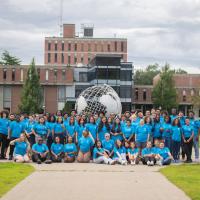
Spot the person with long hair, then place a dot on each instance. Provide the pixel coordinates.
(133, 154)
(85, 144)
(176, 139)
(59, 130)
(50, 123)
(100, 155)
(29, 130)
(71, 128)
(108, 144)
(103, 128)
(21, 149)
(92, 127)
(4, 124)
(157, 131)
(57, 150)
(70, 151)
(128, 131)
(119, 153)
(80, 127)
(116, 131)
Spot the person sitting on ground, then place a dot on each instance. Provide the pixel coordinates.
(41, 152)
(70, 151)
(85, 144)
(148, 156)
(119, 153)
(57, 150)
(133, 154)
(100, 155)
(164, 155)
(21, 149)
(108, 144)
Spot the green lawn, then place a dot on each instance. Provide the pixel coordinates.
(11, 174)
(186, 177)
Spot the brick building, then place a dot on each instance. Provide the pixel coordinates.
(187, 86)
(51, 78)
(74, 50)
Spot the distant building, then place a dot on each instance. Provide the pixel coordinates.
(72, 49)
(187, 86)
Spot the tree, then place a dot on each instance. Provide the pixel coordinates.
(68, 107)
(145, 77)
(164, 92)
(7, 59)
(31, 99)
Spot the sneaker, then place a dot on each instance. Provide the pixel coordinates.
(48, 162)
(159, 162)
(148, 163)
(132, 162)
(123, 162)
(196, 160)
(112, 162)
(10, 158)
(152, 163)
(39, 162)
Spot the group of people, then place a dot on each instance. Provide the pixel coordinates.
(154, 138)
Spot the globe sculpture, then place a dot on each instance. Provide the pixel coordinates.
(99, 98)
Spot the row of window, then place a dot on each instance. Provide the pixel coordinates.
(13, 75)
(54, 58)
(87, 47)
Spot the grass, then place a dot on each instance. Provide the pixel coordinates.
(11, 174)
(186, 177)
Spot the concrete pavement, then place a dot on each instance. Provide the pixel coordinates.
(95, 182)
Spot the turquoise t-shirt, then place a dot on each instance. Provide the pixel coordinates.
(70, 147)
(20, 148)
(40, 148)
(57, 148)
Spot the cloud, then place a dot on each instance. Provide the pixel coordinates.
(157, 31)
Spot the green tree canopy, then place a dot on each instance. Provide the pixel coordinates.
(145, 76)
(7, 59)
(164, 92)
(31, 99)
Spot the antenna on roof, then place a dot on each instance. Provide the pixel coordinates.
(61, 18)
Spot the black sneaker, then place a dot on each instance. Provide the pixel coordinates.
(39, 162)
(48, 162)
(10, 158)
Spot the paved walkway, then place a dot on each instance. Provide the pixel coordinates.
(95, 182)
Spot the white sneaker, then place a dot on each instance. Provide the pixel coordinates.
(112, 162)
(132, 163)
(148, 163)
(159, 162)
(152, 163)
(197, 160)
(124, 162)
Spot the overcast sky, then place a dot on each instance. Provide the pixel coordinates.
(158, 31)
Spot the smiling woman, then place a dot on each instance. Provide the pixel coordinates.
(11, 174)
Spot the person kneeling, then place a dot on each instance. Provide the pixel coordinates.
(100, 155)
(57, 150)
(133, 154)
(21, 149)
(85, 144)
(119, 153)
(70, 151)
(164, 155)
(41, 152)
(148, 156)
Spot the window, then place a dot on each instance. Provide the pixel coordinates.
(102, 73)
(63, 74)
(113, 74)
(4, 74)
(126, 75)
(125, 91)
(82, 59)
(62, 58)
(102, 47)
(55, 57)
(115, 46)
(6, 97)
(184, 95)
(56, 46)
(38, 71)
(47, 75)
(144, 94)
(49, 46)
(75, 59)
(89, 47)
(55, 74)
(61, 93)
(75, 47)
(83, 77)
(95, 47)
(108, 47)
(13, 74)
(89, 59)
(69, 59)
(82, 47)
(63, 46)
(122, 46)
(69, 46)
(21, 74)
(136, 93)
(49, 57)
(192, 92)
